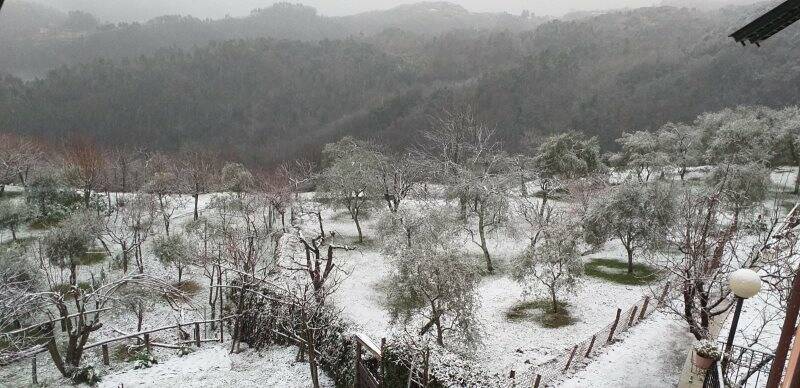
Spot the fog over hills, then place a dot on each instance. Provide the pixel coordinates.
(121, 10)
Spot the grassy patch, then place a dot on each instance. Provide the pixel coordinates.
(616, 271)
(189, 287)
(541, 311)
(90, 258)
(42, 224)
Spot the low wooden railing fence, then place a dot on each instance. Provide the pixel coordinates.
(142, 336)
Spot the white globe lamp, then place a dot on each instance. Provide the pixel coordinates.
(745, 283)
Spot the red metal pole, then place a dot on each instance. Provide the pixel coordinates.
(789, 327)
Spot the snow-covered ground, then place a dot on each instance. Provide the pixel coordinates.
(649, 355)
(215, 367)
(653, 349)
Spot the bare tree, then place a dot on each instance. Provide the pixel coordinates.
(18, 156)
(199, 173)
(85, 166)
(164, 184)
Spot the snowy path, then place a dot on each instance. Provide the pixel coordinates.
(649, 356)
(214, 367)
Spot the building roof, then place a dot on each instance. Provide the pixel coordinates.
(769, 23)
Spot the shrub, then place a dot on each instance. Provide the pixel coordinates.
(143, 360)
(85, 375)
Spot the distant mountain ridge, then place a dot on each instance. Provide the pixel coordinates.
(279, 21)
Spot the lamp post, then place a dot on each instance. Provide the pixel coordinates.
(745, 283)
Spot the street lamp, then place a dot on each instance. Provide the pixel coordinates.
(745, 283)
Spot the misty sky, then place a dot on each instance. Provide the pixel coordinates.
(126, 10)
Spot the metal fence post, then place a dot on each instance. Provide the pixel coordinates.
(34, 378)
(104, 349)
(633, 315)
(644, 307)
(571, 356)
(591, 345)
(614, 326)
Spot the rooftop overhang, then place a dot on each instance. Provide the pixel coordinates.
(769, 24)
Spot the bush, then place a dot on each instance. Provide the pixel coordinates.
(143, 360)
(85, 375)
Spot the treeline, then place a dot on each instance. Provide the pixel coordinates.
(78, 37)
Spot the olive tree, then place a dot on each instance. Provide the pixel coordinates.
(174, 250)
(350, 178)
(13, 215)
(635, 214)
(554, 265)
(431, 284)
(564, 157)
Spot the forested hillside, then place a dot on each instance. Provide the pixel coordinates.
(60, 43)
(266, 100)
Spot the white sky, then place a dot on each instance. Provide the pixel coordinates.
(128, 10)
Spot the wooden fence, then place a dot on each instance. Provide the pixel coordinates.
(143, 338)
(582, 352)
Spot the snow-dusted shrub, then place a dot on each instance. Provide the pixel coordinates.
(445, 367)
(143, 360)
(185, 351)
(85, 375)
(269, 322)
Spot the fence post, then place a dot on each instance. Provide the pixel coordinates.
(425, 374)
(383, 362)
(34, 378)
(104, 348)
(571, 356)
(591, 345)
(357, 362)
(663, 297)
(614, 326)
(537, 381)
(633, 315)
(147, 342)
(644, 307)
(197, 334)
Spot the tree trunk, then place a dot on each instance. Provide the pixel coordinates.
(196, 200)
(56, 356)
(629, 250)
(544, 203)
(13, 234)
(319, 220)
(797, 181)
(358, 227)
(439, 332)
(554, 300)
(87, 197)
(180, 274)
(484, 244)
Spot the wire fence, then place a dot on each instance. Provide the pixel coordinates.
(581, 353)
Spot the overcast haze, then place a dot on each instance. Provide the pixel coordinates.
(120, 10)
